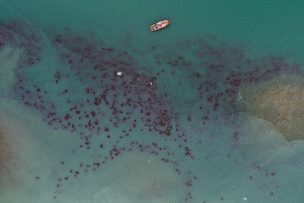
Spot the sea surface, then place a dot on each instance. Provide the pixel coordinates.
(94, 108)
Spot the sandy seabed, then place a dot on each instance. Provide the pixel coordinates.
(279, 101)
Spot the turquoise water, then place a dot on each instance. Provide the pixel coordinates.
(170, 128)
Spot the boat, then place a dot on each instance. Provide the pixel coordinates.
(160, 25)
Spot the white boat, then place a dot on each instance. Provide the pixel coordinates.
(160, 25)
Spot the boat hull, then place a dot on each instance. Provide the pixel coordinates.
(159, 25)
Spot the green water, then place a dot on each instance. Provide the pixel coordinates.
(259, 28)
(266, 26)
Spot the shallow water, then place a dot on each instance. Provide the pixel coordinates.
(172, 127)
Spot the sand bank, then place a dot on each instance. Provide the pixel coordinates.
(280, 101)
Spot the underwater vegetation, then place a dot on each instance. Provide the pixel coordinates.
(120, 110)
